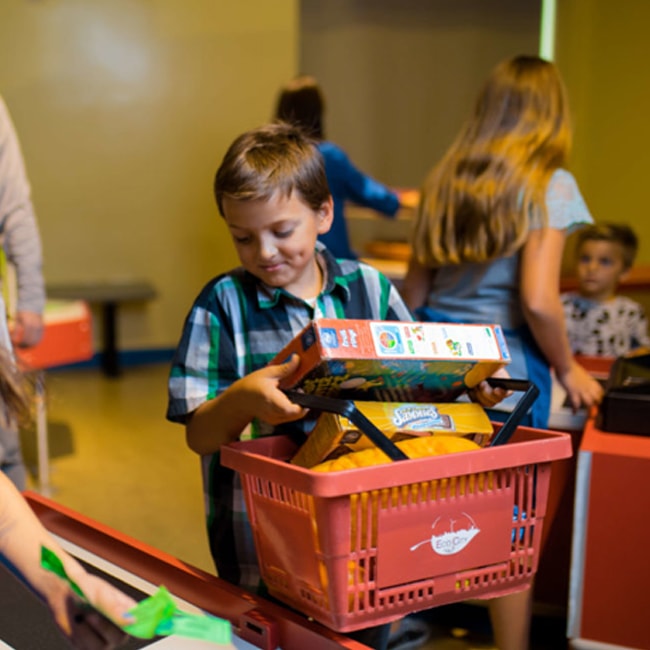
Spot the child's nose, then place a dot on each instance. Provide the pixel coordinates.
(267, 248)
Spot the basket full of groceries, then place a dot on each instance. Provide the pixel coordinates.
(405, 495)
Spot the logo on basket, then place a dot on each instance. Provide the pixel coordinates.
(451, 534)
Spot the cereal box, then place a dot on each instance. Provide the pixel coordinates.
(394, 361)
(335, 435)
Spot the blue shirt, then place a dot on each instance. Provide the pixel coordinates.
(347, 183)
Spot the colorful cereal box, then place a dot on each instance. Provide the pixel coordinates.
(394, 361)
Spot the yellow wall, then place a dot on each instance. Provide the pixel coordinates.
(124, 110)
(401, 77)
(603, 50)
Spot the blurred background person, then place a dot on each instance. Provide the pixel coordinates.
(487, 246)
(22, 535)
(600, 322)
(302, 102)
(22, 276)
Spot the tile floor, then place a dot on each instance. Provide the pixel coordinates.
(116, 459)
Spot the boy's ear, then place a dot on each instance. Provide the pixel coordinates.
(624, 275)
(325, 216)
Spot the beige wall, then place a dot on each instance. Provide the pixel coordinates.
(400, 77)
(603, 50)
(124, 110)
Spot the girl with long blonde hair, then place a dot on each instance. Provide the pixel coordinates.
(487, 247)
(489, 233)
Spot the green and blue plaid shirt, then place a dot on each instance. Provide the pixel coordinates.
(237, 325)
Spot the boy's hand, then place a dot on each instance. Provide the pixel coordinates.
(264, 398)
(486, 395)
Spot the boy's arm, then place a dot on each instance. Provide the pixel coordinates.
(257, 395)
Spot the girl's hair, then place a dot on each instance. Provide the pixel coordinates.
(301, 102)
(13, 389)
(615, 233)
(478, 202)
(277, 157)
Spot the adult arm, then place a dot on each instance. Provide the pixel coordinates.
(539, 285)
(21, 237)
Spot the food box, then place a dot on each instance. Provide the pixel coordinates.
(335, 434)
(394, 361)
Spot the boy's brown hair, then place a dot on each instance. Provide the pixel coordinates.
(615, 233)
(277, 157)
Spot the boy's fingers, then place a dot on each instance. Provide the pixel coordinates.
(290, 366)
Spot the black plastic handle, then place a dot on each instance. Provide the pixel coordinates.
(348, 409)
(530, 391)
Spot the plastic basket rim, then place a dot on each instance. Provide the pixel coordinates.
(245, 458)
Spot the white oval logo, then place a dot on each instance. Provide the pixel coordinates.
(450, 534)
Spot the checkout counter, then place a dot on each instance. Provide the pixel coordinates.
(610, 573)
(138, 570)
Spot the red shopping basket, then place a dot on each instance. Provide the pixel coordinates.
(366, 546)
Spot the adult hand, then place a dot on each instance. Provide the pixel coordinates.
(26, 329)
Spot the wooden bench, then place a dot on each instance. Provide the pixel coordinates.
(109, 295)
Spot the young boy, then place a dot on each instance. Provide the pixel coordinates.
(599, 322)
(272, 192)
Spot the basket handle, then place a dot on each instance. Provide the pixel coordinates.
(348, 409)
(530, 391)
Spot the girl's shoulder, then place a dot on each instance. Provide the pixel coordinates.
(567, 209)
(562, 183)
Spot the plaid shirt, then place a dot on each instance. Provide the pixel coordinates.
(237, 325)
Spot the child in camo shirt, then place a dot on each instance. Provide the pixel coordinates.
(599, 322)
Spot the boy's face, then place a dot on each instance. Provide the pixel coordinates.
(599, 269)
(276, 238)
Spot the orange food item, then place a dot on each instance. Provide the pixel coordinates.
(413, 448)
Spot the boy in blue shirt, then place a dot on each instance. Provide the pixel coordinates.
(272, 192)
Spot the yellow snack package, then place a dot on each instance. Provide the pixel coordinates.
(334, 435)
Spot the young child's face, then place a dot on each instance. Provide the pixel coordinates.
(599, 269)
(276, 238)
